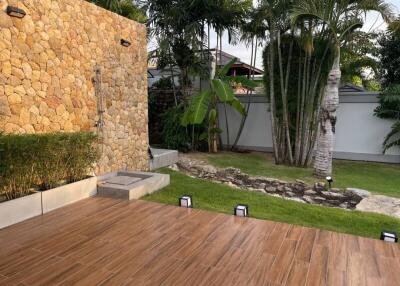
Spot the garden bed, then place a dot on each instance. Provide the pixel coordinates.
(298, 190)
(39, 203)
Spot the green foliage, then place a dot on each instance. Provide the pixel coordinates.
(164, 83)
(197, 109)
(125, 8)
(206, 102)
(390, 58)
(175, 135)
(359, 64)
(31, 162)
(389, 108)
(389, 103)
(223, 90)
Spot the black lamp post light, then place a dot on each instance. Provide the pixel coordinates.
(329, 179)
(15, 12)
(389, 236)
(186, 201)
(125, 43)
(241, 210)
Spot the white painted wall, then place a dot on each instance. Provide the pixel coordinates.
(359, 134)
(358, 131)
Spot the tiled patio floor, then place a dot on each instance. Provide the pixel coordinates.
(109, 242)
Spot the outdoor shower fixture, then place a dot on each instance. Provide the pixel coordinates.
(186, 201)
(241, 210)
(125, 43)
(329, 179)
(15, 12)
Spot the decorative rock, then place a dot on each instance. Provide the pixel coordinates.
(310, 192)
(296, 191)
(359, 192)
(308, 199)
(210, 169)
(290, 194)
(380, 204)
(332, 194)
(270, 189)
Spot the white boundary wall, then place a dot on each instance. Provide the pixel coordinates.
(359, 134)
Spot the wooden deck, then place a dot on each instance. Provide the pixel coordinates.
(109, 242)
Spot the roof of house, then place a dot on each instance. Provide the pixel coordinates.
(348, 87)
(225, 59)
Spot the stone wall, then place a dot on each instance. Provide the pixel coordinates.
(48, 79)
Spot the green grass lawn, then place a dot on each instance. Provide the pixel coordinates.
(378, 178)
(221, 198)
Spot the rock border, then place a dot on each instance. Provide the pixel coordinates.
(299, 191)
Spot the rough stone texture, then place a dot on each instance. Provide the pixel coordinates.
(380, 204)
(297, 191)
(359, 192)
(47, 76)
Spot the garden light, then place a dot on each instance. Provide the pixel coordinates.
(241, 210)
(15, 12)
(389, 236)
(125, 43)
(186, 201)
(329, 180)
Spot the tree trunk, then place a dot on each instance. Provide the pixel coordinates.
(272, 94)
(326, 136)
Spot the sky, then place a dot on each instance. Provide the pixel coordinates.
(373, 22)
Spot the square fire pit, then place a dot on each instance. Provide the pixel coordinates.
(129, 185)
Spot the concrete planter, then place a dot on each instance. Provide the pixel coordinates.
(18, 210)
(14, 211)
(68, 194)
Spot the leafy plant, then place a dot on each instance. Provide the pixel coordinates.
(39, 162)
(204, 104)
(175, 135)
(126, 8)
(389, 107)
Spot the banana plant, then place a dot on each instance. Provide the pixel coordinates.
(203, 105)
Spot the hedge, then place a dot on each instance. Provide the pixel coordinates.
(44, 161)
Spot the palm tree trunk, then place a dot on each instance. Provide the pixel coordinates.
(173, 80)
(227, 127)
(326, 136)
(284, 83)
(272, 94)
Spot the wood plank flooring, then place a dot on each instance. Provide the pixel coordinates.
(102, 241)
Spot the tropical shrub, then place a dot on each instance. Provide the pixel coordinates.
(389, 108)
(175, 135)
(42, 161)
(203, 106)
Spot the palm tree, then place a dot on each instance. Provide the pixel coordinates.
(340, 18)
